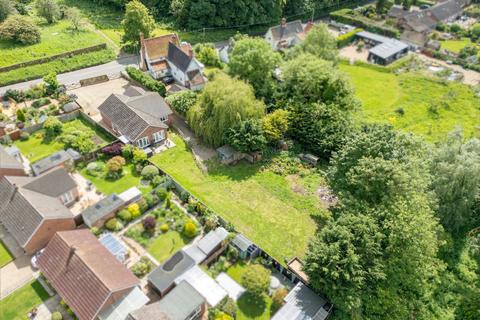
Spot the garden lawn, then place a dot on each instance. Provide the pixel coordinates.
(19, 303)
(55, 38)
(432, 108)
(259, 204)
(163, 246)
(5, 255)
(36, 147)
(455, 45)
(129, 179)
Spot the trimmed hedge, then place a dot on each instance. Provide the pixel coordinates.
(345, 39)
(146, 81)
(346, 16)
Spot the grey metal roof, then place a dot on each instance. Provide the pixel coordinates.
(177, 57)
(164, 276)
(195, 253)
(120, 309)
(290, 29)
(26, 202)
(101, 209)
(8, 161)
(51, 161)
(302, 303)
(386, 47)
(241, 242)
(212, 239)
(373, 36)
(178, 304)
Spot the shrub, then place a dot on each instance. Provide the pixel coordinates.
(125, 215)
(182, 101)
(115, 166)
(19, 29)
(164, 227)
(21, 115)
(190, 229)
(134, 210)
(151, 200)
(51, 80)
(149, 171)
(168, 200)
(48, 9)
(347, 38)
(138, 155)
(142, 203)
(277, 297)
(147, 81)
(113, 224)
(206, 54)
(17, 95)
(400, 111)
(142, 267)
(40, 102)
(256, 279)
(96, 231)
(157, 180)
(113, 149)
(24, 136)
(184, 196)
(149, 223)
(162, 193)
(127, 151)
(57, 315)
(229, 306)
(53, 127)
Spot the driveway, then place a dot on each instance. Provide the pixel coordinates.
(15, 274)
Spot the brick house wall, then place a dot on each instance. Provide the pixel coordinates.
(11, 172)
(46, 231)
(149, 133)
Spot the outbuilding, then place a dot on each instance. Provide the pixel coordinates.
(383, 50)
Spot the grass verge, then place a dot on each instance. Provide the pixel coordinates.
(5, 255)
(163, 246)
(19, 303)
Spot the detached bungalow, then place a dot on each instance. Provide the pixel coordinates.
(384, 50)
(91, 281)
(33, 209)
(287, 34)
(140, 118)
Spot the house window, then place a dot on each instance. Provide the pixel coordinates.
(67, 197)
(143, 142)
(158, 136)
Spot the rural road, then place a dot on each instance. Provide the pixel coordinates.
(72, 77)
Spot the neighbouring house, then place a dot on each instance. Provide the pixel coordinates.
(34, 208)
(162, 279)
(301, 303)
(166, 56)
(91, 281)
(383, 50)
(97, 214)
(246, 248)
(397, 11)
(287, 34)
(11, 162)
(206, 246)
(61, 159)
(140, 117)
(182, 303)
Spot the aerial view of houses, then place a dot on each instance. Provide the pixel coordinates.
(250, 160)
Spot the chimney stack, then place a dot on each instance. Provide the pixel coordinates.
(70, 255)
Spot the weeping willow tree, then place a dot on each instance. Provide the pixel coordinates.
(224, 103)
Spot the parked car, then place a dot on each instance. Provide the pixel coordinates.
(168, 80)
(424, 6)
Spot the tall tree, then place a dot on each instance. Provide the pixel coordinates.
(253, 60)
(48, 9)
(247, 136)
(456, 172)
(223, 104)
(6, 8)
(318, 42)
(137, 20)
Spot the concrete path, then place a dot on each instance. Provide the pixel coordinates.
(15, 274)
(73, 77)
(45, 310)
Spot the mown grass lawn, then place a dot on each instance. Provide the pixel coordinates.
(455, 45)
(260, 204)
(55, 38)
(163, 246)
(5, 255)
(37, 147)
(19, 303)
(432, 108)
(108, 186)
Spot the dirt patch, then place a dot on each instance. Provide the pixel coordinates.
(295, 185)
(326, 196)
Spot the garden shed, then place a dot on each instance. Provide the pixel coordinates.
(228, 155)
(61, 158)
(212, 240)
(246, 248)
(383, 50)
(130, 195)
(96, 215)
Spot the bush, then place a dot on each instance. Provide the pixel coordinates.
(190, 229)
(164, 228)
(149, 171)
(146, 81)
(347, 38)
(113, 150)
(51, 80)
(184, 196)
(20, 115)
(115, 166)
(40, 102)
(256, 279)
(127, 151)
(142, 267)
(348, 16)
(168, 200)
(96, 231)
(113, 224)
(149, 223)
(24, 136)
(17, 95)
(19, 29)
(229, 306)
(57, 315)
(162, 193)
(157, 180)
(182, 101)
(53, 127)
(138, 156)
(206, 54)
(125, 215)
(48, 9)
(277, 298)
(134, 210)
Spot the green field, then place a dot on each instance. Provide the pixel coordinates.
(5, 255)
(260, 204)
(455, 45)
(432, 108)
(55, 38)
(165, 245)
(19, 303)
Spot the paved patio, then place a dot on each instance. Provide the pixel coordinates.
(45, 310)
(88, 194)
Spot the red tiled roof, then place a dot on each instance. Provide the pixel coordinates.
(84, 272)
(158, 47)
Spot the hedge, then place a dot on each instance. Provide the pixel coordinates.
(459, 61)
(345, 16)
(146, 81)
(345, 39)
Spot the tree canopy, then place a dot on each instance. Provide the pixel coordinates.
(137, 20)
(246, 136)
(223, 104)
(318, 42)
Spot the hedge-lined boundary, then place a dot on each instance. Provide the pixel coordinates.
(347, 38)
(456, 60)
(344, 16)
(72, 53)
(386, 69)
(146, 81)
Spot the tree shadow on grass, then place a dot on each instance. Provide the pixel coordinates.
(251, 305)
